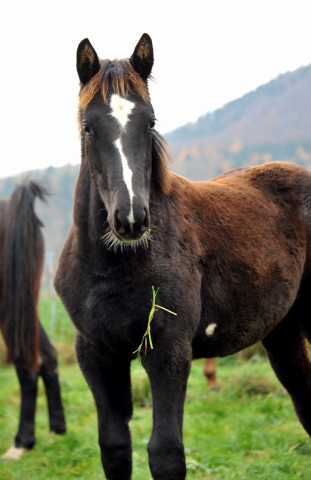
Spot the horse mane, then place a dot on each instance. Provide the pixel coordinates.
(121, 76)
(160, 159)
(23, 259)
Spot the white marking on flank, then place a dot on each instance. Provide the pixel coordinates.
(121, 109)
(127, 177)
(210, 329)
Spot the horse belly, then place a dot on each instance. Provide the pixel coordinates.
(225, 336)
(242, 309)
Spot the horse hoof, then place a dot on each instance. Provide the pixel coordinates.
(59, 430)
(215, 386)
(14, 453)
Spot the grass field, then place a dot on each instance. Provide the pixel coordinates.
(245, 430)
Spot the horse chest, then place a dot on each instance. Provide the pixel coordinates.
(111, 306)
(108, 308)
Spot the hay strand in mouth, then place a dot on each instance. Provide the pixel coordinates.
(147, 334)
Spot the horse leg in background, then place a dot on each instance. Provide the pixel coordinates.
(168, 372)
(49, 374)
(289, 358)
(28, 380)
(109, 381)
(210, 372)
(25, 437)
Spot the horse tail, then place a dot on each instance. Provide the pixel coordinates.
(23, 261)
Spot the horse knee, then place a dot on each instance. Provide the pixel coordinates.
(167, 460)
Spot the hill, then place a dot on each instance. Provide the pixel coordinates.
(271, 123)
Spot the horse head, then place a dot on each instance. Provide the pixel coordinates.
(117, 122)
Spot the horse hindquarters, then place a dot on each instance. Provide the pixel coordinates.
(289, 358)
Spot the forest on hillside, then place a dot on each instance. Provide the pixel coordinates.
(271, 123)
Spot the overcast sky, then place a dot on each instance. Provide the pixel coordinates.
(207, 53)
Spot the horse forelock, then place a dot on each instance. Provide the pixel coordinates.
(118, 75)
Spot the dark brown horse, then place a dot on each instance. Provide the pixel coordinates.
(231, 257)
(28, 347)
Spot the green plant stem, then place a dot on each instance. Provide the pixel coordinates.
(147, 334)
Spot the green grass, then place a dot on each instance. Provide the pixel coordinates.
(245, 430)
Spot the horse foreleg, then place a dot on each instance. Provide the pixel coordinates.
(109, 381)
(49, 374)
(288, 356)
(168, 370)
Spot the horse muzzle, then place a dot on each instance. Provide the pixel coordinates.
(129, 228)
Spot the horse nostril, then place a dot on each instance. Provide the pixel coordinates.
(143, 228)
(145, 223)
(119, 225)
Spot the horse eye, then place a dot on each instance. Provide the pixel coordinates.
(87, 129)
(152, 123)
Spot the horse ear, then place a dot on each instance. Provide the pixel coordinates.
(142, 58)
(87, 61)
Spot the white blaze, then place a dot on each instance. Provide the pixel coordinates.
(121, 110)
(127, 177)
